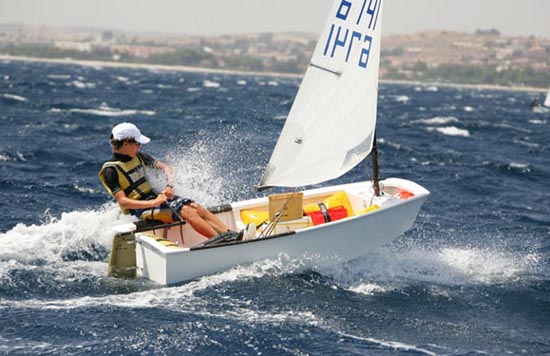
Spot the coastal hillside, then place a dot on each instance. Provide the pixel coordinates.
(484, 57)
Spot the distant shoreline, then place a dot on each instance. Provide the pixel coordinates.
(91, 63)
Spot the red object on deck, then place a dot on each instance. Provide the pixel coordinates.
(336, 213)
(404, 194)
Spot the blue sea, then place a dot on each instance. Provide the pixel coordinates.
(471, 277)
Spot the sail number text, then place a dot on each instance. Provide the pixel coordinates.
(341, 38)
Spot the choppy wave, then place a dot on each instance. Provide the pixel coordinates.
(439, 120)
(478, 246)
(450, 131)
(105, 110)
(14, 97)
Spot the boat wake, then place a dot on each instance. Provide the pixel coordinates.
(391, 269)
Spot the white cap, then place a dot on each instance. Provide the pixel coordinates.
(127, 130)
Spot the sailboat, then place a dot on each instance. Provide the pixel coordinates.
(330, 129)
(547, 100)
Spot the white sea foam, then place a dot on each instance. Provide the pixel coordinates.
(85, 189)
(193, 90)
(528, 144)
(402, 99)
(59, 76)
(273, 83)
(182, 297)
(438, 120)
(541, 110)
(105, 110)
(520, 166)
(241, 82)
(538, 122)
(450, 131)
(368, 289)
(388, 269)
(392, 345)
(14, 97)
(469, 109)
(210, 84)
(81, 85)
(21, 157)
(48, 242)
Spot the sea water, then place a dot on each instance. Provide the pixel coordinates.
(471, 277)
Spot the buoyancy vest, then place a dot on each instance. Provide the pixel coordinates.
(131, 177)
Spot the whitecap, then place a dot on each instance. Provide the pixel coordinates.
(272, 83)
(193, 90)
(105, 110)
(450, 131)
(368, 289)
(538, 122)
(86, 189)
(525, 143)
(388, 269)
(402, 99)
(241, 82)
(210, 84)
(438, 120)
(541, 110)
(81, 85)
(432, 88)
(14, 97)
(59, 76)
(122, 79)
(521, 166)
(49, 241)
(468, 109)
(391, 345)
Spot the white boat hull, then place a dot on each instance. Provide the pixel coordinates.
(320, 245)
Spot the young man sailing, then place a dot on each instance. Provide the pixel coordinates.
(124, 178)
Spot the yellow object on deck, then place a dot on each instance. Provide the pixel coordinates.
(338, 199)
(163, 241)
(368, 210)
(254, 216)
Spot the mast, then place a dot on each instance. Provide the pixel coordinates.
(375, 178)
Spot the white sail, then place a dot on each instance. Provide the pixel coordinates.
(547, 100)
(330, 128)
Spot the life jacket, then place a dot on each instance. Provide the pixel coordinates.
(131, 177)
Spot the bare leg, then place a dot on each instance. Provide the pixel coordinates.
(212, 219)
(203, 221)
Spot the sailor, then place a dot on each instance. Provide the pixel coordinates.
(124, 178)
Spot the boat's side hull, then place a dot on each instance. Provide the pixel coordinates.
(320, 245)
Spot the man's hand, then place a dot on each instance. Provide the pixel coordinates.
(168, 192)
(161, 198)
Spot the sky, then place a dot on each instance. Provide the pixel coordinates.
(214, 17)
